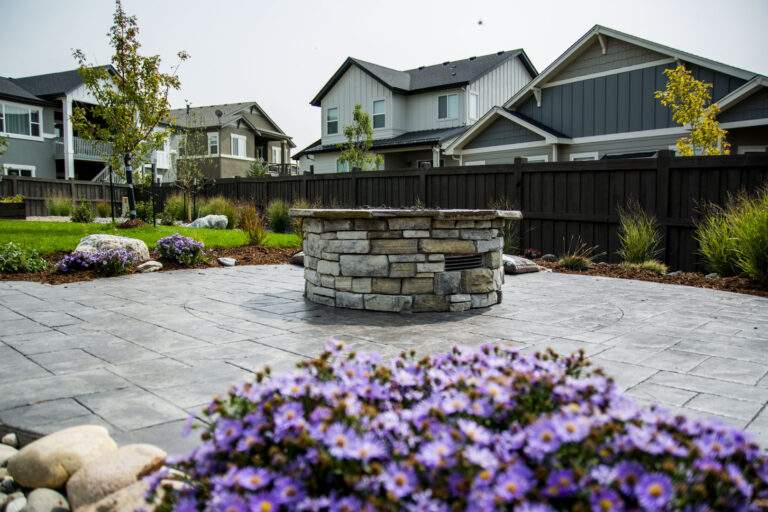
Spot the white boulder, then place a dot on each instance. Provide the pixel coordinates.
(210, 221)
(518, 265)
(100, 242)
(227, 262)
(6, 452)
(46, 500)
(149, 266)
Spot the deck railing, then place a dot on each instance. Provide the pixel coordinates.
(84, 149)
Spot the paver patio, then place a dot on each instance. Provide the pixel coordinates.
(139, 353)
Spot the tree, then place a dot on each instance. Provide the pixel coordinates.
(3, 145)
(357, 150)
(190, 175)
(691, 103)
(131, 97)
(258, 168)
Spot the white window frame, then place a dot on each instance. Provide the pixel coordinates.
(342, 166)
(212, 136)
(277, 155)
(31, 168)
(327, 121)
(241, 140)
(447, 112)
(473, 103)
(31, 109)
(751, 149)
(583, 157)
(533, 159)
(374, 114)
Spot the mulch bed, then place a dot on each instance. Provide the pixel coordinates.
(728, 284)
(245, 255)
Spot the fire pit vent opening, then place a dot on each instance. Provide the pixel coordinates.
(404, 260)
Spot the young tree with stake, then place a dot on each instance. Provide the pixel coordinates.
(357, 150)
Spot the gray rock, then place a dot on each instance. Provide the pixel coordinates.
(46, 500)
(713, 275)
(6, 452)
(99, 242)
(16, 505)
(210, 221)
(395, 303)
(9, 485)
(3, 498)
(551, 258)
(227, 262)
(364, 266)
(10, 439)
(674, 273)
(298, 259)
(518, 265)
(149, 266)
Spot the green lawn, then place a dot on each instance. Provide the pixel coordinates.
(49, 237)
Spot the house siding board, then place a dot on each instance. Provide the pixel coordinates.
(421, 111)
(753, 107)
(507, 157)
(503, 131)
(32, 152)
(624, 102)
(499, 84)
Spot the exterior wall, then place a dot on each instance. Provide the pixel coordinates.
(498, 85)
(31, 152)
(617, 147)
(753, 107)
(406, 159)
(231, 167)
(752, 136)
(506, 157)
(616, 103)
(323, 163)
(421, 110)
(503, 131)
(354, 87)
(225, 140)
(618, 54)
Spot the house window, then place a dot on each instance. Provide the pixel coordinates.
(379, 116)
(277, 155)
(582, 157)
(238, 145)
(20, 120)
(537, 158)
(332, 120)
(28, 171)
(448, 106)
(342, 166)
(474, 105)
(213, 143)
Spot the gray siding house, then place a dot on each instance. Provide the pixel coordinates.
(414, 113)
(236, 135)
(597, 101)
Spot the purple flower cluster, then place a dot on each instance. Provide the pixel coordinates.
(478, 429)
(109, 262)
(181, 249)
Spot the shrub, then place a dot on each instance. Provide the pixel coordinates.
(477, 429)
(511, 227)
(298, 222)
(278, 216)
(654, 266)
(131, 223)
(59, 206)
(103, 209)
(220, 205)
(181, 249)
(258, 169)
(18, 198)
(717, 243)
(175, 207)
(83, 212)
(253, 224)
(14, 258)
(639, 235)
(109, 262)
(166, 218)
(578, 256)
(144, 210)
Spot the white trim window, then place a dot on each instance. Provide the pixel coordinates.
(583, 157)
(448, 106)
(332, 121)
(27, 171)
(277, 155)
(21, 121)
(342, 165)
(743, 150)
(237, 145)
(474, 106)
(379, 114)
(213, 143)
(537, 159)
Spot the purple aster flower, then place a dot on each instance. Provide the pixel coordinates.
(528, 506)
(253, 479)
(398, 480)
(340, 440)
(263, 502)
(474, 432)
(230, 502)
(287, 490)
(435, 453)
(654, 491)
(542, 439)
(627, 474)
(367, 448)
(512, 484)
(560, 483)
(606, 500)
(227, 431)
(571, 429)
(289, 416)
(346, 504)
(738, 480)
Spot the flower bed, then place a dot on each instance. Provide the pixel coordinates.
(180, 249)
(110, 262)
(477, 429)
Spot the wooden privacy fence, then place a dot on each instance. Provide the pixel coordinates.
(37, 191)
(562, 202)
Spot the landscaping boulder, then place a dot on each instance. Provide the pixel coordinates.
(46, 500)
(6, 452)
(127, 498)
(149, 266)
(10, 439)
(298, 259)
(209, 221)
(518, 265)
(551, 258)
(96, 243)
(111, 472)
(51, 460)
(227, 262)
(16, 504)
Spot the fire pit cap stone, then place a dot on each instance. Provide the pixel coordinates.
(383, 213)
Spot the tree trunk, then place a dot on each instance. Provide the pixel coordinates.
(129, 181)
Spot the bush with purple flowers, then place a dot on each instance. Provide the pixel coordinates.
(109, 262)
(181, 249)
(478, 429)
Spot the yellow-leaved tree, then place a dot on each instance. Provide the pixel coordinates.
(690, 101)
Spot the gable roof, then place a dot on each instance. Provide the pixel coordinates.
(9, 89)
(742, 92)
(52, 84)
(595, 33)
(425, 78)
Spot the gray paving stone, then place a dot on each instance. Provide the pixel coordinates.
(730, 407)
(132, 408)
(67, 361)
(661, 394)
(53, 411)
(730, 370)
(674, 360)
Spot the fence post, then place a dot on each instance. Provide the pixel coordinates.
(303, 188)
(663, 158)
(14, 186)
(423, 188)
(517, 164)
(354, 188)
(72, 189)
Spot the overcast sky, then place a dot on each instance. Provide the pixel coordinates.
(280, 53)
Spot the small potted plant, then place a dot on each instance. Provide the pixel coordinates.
(13, 207)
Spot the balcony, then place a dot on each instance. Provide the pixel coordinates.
(282, 169)
(93, 150)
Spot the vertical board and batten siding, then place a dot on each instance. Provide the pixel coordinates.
(563, 203)
(503, 131)
(754, 107)
(421, 110)
(499, 84)
(37, 191)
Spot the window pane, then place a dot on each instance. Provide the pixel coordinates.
(333, 127)
(333, 114)
(378, 107)
(235, 146)
(442, 107)
(17, 120)
(473, 106)
(453, 106)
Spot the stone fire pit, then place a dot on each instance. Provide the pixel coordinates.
(403, 260)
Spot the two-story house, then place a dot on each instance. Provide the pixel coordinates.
(414, 113)
(35, 120)
(236, 135)
(597, 101)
